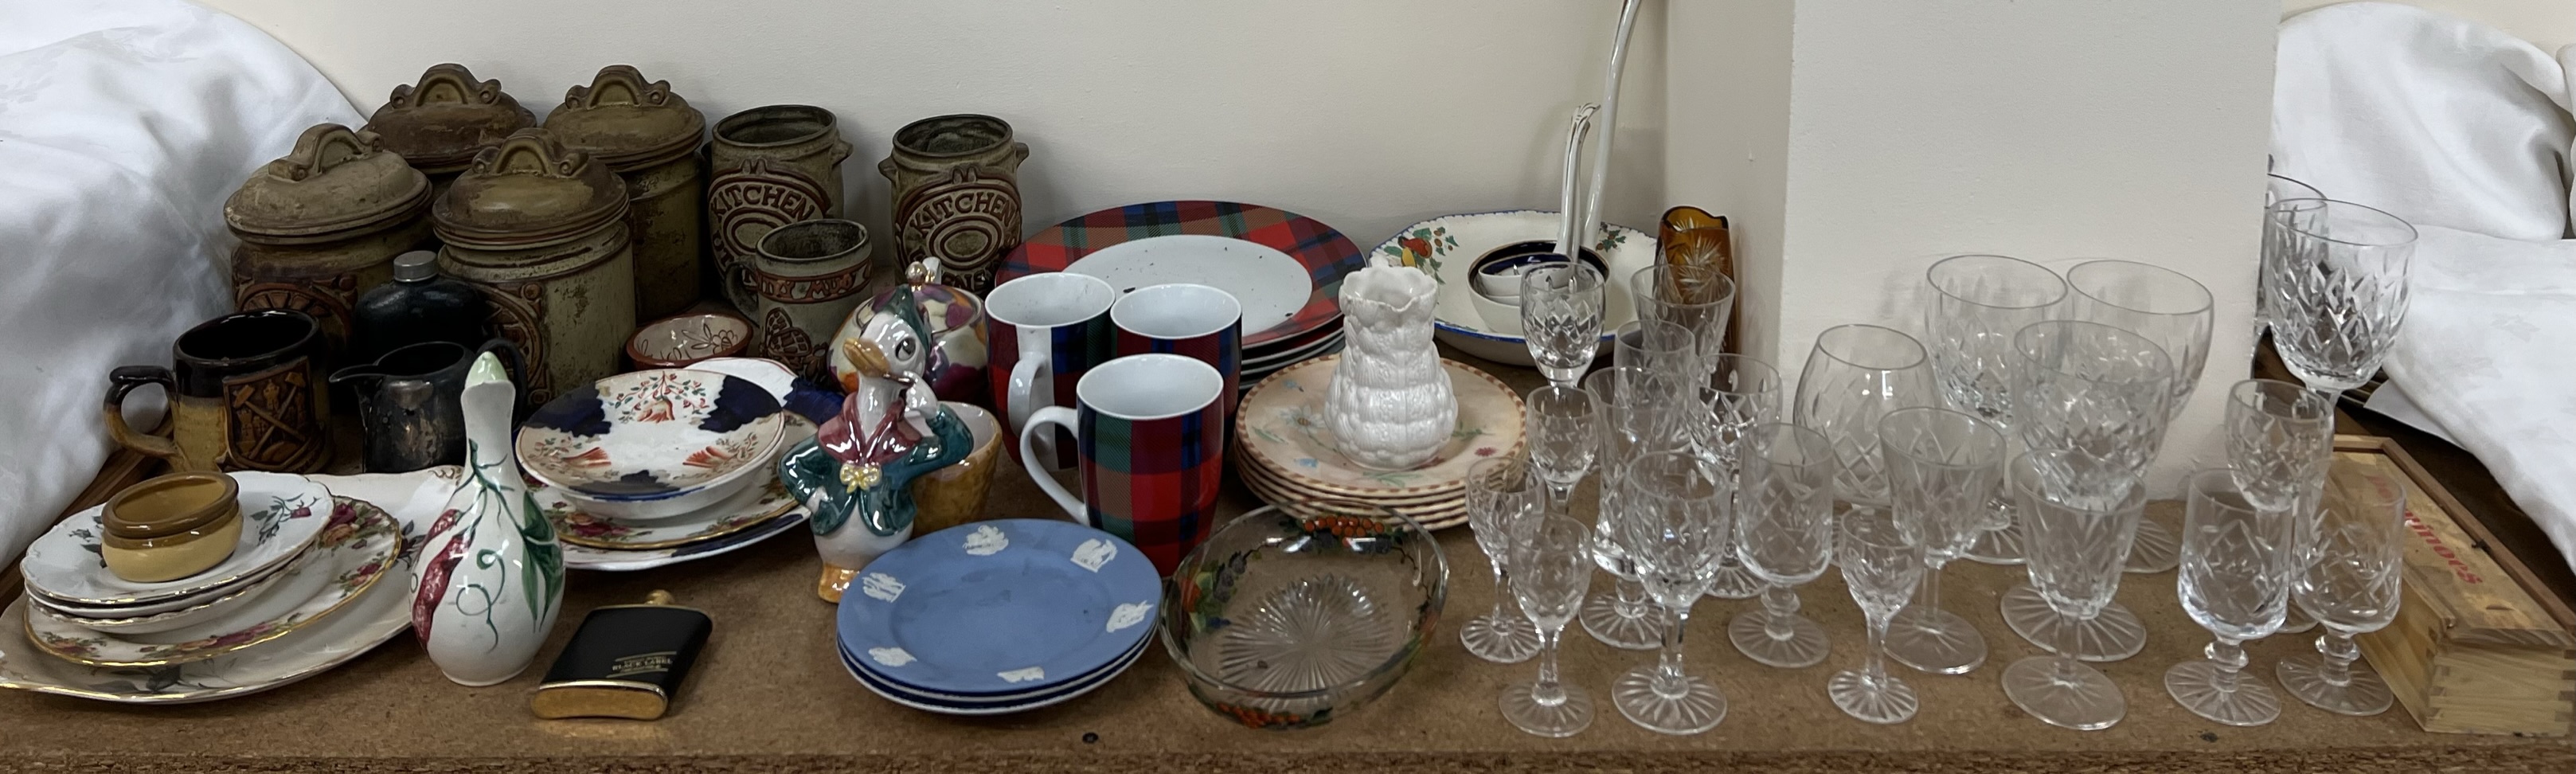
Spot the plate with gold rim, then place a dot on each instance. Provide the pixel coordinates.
(1261, 476)
(355, 549)
(1440, 516)
(277, 513)
(1280, 424)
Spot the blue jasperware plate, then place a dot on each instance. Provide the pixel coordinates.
(1000, 607)
(860, 669)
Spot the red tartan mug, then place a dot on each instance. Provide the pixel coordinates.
(1152, 433)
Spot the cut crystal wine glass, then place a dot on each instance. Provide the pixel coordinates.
(1554, 566)
(1561, 306)
(1623, 618)
(1564, 426)
(2280, 443)
(2277, 223)
(1854, 376)
(2075, 552)
(1742, 393)
(1697, 297)
(2349, 583)
(1942, 468)
(1977, 304)
(1674, 532)
(2237, 566)
(2167, 308)
(2338, 290)
(1785, 534)
(1661, 364)
(1882, 563)
(1504, 499)
(2093, 396)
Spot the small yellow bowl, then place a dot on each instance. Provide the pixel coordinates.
(171, 527)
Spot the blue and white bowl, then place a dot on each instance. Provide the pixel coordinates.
(1449, 246)
(653, 444)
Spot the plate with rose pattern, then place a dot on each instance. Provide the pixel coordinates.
(1005, 606)
(651, 435)
(280, 513)
(1280, 426)
(357, 546)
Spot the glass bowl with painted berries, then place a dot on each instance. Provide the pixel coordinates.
(1300, 612)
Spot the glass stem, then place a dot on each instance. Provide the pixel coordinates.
(1628, 598)
(2339, 652)
(1929, 599)
(1548, 692)
(2068, 634)
(2230, 656)
(1668, 662)
(1874, 665)
(1501, 590)
(1779, 607)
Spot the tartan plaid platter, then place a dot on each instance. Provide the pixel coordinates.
(1327, 255)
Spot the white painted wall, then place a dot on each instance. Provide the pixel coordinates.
(2548, 23)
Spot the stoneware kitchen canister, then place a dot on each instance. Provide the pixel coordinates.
(490, 577)
(321, 226)
(956, 195)
(809, 275)
(243, 392)
(440, 123)
(650, 137)
(773, 166)
(541, 230)
(1152, 433)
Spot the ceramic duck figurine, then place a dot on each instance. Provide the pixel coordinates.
(1390, 404)
(856, 475)
(490, 579)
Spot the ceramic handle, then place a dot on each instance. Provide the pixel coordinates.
(123, 380)
(1038, 422)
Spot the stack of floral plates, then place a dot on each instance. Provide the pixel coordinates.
(998, 616)
(315, 581)
(1285, 268)
(1287, 452)
(650, 468)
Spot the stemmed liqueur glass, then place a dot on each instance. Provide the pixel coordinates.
(1561, 318)
(1942, 468)
(1674, 530)
(1785, 534)
(1978, 303)
(2237, 564)
(2075, 552)
(1697, 297)
(2280, 445)
(2349, 583)
(1503, 502)
(2169, 309)
(1623, 618)
(1854, 376)
(1742, 393)
(1882, 562)
(2094, 396)
(1553, 567)
(1564, 435)
(2338, 291)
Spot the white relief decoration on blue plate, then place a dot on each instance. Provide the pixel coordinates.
(986, 541)
(1093, 553)
(1023, 675)
(1129, 614)
(881, 586)
(893, 657)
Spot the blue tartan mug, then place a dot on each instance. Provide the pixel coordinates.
(1151, 429)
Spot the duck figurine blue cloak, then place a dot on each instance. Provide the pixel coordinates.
(856, 475)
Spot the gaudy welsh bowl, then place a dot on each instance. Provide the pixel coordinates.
(1449, 246)
(1249, 613)
(653, 444)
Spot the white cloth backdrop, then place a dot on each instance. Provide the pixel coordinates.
(123, 126)
(2466, 132)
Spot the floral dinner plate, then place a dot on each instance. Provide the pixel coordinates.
(1279, 300)
(281, 514)
(1280, 425)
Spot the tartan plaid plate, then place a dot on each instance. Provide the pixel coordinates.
(1327, 255)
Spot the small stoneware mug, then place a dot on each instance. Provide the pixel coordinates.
(1047, 330)
(1152, 433)
(1201, 322)
(243, 396)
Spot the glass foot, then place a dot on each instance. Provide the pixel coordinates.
(1935, 641)
(2304, 677)
(1997, 546)
(2064, 692)
(2113, 635)
(1500, 639)
(2194, 685)
(1889, 701)
(1642, 631)
(1804, 647)
(1565, 717)
(2157, 549)
(1735, 582)
(1692, 706)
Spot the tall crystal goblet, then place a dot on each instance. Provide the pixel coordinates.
(1882, 563)
(2238, 562)
(2278, 221)
(1855, 375)
(2094, 397)
(2338, 291)
(1561, 307)
(1784, 514)
(1977, 304)
(1555, 567)
(1505, 498)
(2075, 552)
(2350, 579)
(2173, 311)
(1674, 533)
(1942, 468)
(1742, 393)
(1623, 618)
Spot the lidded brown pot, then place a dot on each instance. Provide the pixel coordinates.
(322, 225)
(541, 230)
(650, 137)
(440, 123)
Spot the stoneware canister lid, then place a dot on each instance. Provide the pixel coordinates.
(626, 122)
(335, 180)
(528, 188)
(170, 505)
(439, 123)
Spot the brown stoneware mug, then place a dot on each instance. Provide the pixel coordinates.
(243, 396)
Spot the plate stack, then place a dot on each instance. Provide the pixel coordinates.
(313, 581)
(650, 468)
(1288, 452)
(998, 616)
